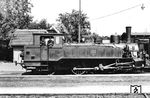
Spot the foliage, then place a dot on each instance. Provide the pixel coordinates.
(43, 24)
(96, 38)
(71, 22)
(16, 16)
(4, 26)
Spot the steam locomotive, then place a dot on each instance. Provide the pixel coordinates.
(49, 53)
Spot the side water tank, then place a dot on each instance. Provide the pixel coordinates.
(115, 39)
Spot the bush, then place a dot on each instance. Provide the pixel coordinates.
(6, 52)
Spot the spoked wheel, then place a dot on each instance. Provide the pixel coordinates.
(51, 70)
(76, 71)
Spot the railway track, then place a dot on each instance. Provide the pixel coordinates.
(72, 84)
(73, 80)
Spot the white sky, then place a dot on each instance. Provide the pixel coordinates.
(137, 18)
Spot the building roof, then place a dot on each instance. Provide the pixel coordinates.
(140, 33)
(24, 37)
(60, 28)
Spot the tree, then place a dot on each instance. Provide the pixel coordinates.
(43, 24)
(15, 15)
(19, 12)
(95, 37)
(71, 22)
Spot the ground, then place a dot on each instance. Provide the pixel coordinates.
(9, 66)
(13, 84)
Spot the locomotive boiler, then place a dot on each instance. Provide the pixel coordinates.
(49, 53)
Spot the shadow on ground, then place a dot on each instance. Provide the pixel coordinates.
(141, 71)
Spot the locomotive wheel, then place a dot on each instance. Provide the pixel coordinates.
(78, 72)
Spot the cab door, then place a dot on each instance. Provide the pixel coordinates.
(44, 48)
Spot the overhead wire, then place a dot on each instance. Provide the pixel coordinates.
(142, 7)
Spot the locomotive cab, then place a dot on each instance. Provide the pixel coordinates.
(37, 57)
(45, 39)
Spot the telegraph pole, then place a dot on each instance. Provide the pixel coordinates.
(79, 26)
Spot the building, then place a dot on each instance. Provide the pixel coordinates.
(22, 37)
(142, 38)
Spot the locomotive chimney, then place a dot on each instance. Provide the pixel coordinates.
(128, 31)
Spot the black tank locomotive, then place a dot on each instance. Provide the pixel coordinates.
(49, 53)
